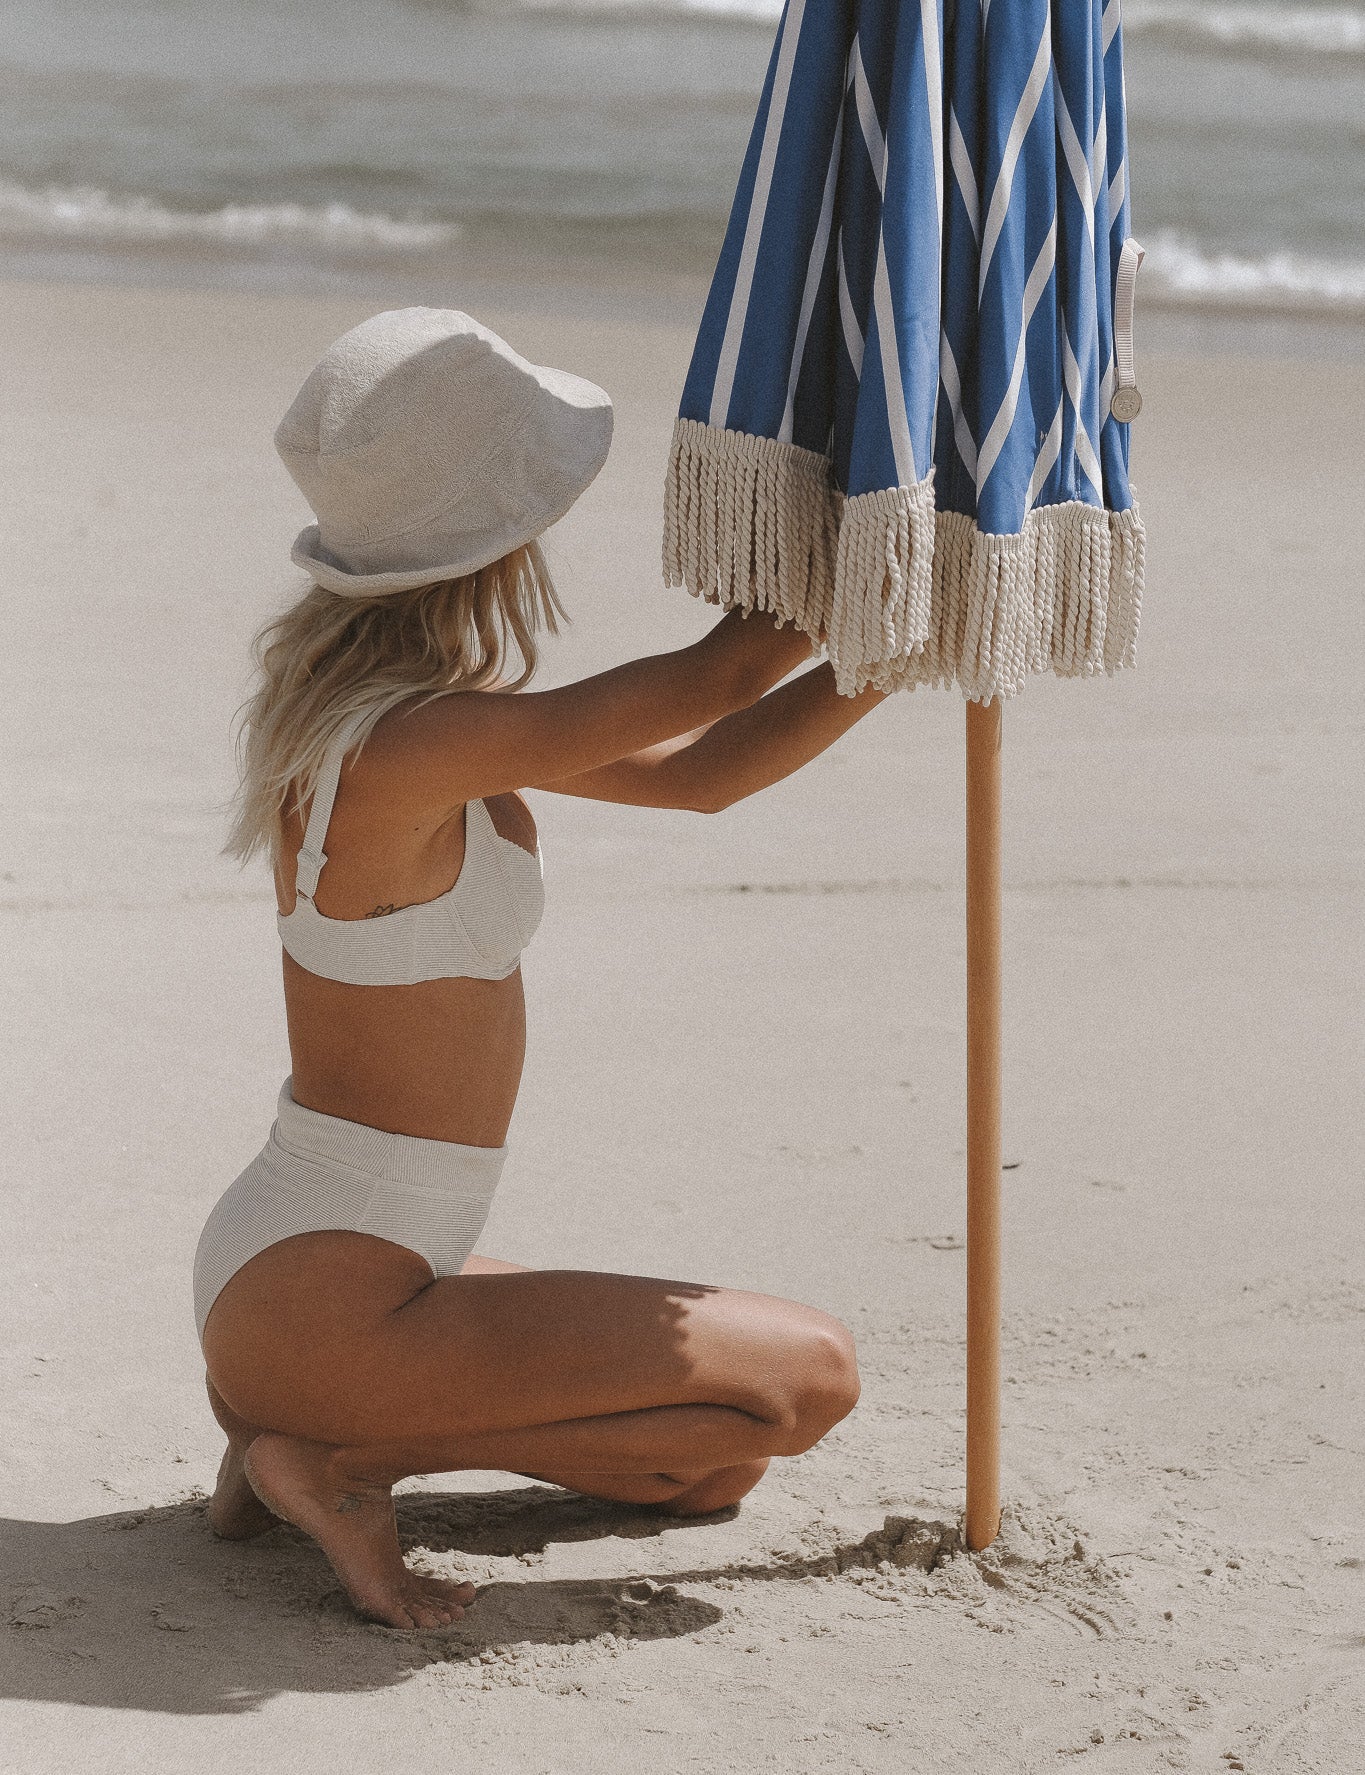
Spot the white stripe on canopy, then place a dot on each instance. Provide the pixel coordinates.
(1004, 419)
(952, 382)
(744, 279)
(1023, 117)
(854, 343)
(1077, 164)
(814, 271)
(888, 348)
(1111, 23)
(933, 80)
(1047, 456)
(867, 116)
(962, 171)
(1085, 450)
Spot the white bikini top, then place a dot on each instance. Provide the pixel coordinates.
(476, 930)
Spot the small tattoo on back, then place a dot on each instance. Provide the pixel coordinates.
(381, 912)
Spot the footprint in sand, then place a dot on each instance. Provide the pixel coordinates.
(40, 1609)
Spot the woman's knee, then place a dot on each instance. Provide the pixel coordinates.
(814, 1383)
(831, 1380)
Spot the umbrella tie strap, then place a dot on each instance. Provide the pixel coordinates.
(1127, 401)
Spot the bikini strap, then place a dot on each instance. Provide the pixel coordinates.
(311, 854)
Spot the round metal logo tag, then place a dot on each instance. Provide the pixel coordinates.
(1126, 405)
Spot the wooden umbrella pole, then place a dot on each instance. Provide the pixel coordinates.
(983, 1123)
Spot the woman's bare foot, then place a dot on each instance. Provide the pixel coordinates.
(235, 1512)
(351, 1519)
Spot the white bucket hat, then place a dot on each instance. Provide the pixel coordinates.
(428, 448)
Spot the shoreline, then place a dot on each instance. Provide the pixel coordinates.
(557, 282)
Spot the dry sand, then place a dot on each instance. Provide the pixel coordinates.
(746, 1067)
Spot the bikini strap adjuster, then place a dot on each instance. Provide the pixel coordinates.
(307, 870)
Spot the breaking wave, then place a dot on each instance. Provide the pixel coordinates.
(1181, 269)
(1302, 30)
(1178, 268)
(1305, 30)
(86, 213)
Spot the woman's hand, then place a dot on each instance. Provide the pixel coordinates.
(736, 756)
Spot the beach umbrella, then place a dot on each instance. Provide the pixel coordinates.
(905, 424)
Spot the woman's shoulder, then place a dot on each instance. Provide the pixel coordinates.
(436, 753)
(429, 729)
(409, 770)
(411, 754)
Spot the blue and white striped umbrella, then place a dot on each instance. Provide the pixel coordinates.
(905, 423)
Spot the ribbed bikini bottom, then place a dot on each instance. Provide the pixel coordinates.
(317, 1173)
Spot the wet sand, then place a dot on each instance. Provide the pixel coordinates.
(746, 1067)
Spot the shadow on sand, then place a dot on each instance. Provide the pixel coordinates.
(144, 1609)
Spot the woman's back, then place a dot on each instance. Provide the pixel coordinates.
(441, 1057)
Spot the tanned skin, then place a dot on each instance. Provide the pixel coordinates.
(336, 1365)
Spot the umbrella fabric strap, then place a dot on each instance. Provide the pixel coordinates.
(1126, 403)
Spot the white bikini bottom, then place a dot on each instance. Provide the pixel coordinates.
(317, 1174)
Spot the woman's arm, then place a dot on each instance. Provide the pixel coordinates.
(736, 756)
(458, 748)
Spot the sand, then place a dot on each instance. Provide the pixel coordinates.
(746, 1067)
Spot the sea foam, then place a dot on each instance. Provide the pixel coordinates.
(1306, 30)
(1180, 268)
(1303, 30)
(84, 212)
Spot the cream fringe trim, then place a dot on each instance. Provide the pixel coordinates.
(752, 524)
(883, 581)
(1064, 596)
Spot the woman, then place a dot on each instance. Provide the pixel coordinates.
(351, 1338)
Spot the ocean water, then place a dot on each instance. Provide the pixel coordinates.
(413, 138)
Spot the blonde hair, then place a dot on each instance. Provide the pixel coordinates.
(328, 660)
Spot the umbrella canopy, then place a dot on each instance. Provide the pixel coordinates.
(905, 423)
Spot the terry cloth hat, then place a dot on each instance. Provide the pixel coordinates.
(428, 448)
